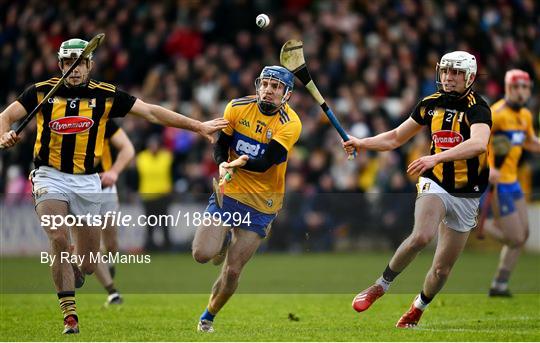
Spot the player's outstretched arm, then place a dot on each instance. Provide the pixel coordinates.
(472, 147)
(126, 152)
(385, 141)
(159, 115)
(10, 115)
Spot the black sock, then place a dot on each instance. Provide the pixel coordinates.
(425, 298)
(389, 275)
(110, 288)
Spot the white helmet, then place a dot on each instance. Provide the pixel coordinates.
(72, 48)
(460, 60)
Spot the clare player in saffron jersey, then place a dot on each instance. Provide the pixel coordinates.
(262, 131)
(511, 119)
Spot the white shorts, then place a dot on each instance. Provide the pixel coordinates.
(110, 200)
(82, 192)
(461, 213)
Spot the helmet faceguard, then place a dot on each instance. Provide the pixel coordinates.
(72, 49)
(283, 76)
(458, 60)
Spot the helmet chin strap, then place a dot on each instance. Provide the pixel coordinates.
(267, 107)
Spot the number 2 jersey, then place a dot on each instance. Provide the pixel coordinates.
(251, 132)
(449, 122)
(71, 124)
(516, 125)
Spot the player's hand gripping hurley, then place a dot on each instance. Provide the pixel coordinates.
(219, 187)
(292, 58)
(90, 47)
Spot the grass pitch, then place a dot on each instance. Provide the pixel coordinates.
(164, 299)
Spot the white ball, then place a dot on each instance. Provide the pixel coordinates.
(262, 20)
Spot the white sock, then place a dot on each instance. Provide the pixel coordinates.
(500, 286)
(383, 283)
(419, 304)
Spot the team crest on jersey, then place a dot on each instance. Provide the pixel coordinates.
(268, 134)
(92, 103)
(446, 139)
(70, 125)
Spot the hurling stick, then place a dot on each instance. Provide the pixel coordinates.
(90, 47)
(292, 58)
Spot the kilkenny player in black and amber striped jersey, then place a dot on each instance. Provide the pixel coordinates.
(70, 136)
(449, 123)
(452, 178)
(71, 125)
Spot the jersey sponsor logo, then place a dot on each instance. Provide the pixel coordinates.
(517, 138)
(446, 139)
(253, 150)
(70, 125)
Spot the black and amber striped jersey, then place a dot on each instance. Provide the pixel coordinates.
(106, 161)
(71, 124)
(449, 121)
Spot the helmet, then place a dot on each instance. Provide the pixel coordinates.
(278, 73)
(281, 74)
(514, 76)
(460, 60)
(72, 48)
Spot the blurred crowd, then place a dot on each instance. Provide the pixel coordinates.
(372, 60)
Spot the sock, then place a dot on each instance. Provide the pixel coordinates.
(387, 277)
(207, 315)
(422, 301)
(501, 280)
(383, 283)
(110, 289)
(67, 304)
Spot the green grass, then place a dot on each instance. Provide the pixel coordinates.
(163, 301)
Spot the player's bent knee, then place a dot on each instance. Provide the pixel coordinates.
(88, 267)
(522, 239)
(58, 238)
(420, 241)
(201, 256)
(441, 273)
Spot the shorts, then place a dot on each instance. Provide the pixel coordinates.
(461, 213)
(82, 192)
(109, 201)
(260, 223)
(507, 194)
